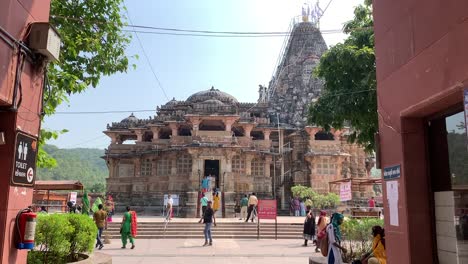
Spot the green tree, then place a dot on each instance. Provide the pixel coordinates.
(349, 95)
(93, 46)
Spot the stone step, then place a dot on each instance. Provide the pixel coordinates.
(215, 236)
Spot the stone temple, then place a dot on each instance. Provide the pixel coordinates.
(264, 147)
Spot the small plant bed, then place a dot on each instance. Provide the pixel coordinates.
(63, 238)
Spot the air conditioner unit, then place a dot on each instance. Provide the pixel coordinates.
(44, 39)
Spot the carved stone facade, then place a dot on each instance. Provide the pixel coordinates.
(242, 144)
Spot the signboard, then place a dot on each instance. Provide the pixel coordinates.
(175, 198)
(392, 172)
(73, 196)
(24, 164)
(345, 191)
(266, 209)
(465, 100)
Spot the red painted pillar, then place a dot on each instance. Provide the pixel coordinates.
(15, 16)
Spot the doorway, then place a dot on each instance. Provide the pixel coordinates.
(212, 168)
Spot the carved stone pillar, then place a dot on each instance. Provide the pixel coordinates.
(248, 165)
(114, 138)
(266, 134)
(139, 133)
(155, 131)
(137, 167)
(247, 129)
(175, 129)
(267, 166)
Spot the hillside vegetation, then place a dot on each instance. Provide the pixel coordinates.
(83, 164)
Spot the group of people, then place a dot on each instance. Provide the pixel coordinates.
(330, 233)
(297, 207)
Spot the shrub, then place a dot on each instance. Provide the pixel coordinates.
(312, 198)
(60, 237)
(83, 237)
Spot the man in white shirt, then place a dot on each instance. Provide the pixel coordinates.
(253, 201)
(169, 204)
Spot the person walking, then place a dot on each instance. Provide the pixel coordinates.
(297, 206)
(321, 226)
(309, 227)
(99, 218)
(253, 201)
(244, 203)
(334, 239)
(303, 208)
(208, 219)
(128, 227)
(216, 202)
(371, 204)
(204, 203)
(169, 208)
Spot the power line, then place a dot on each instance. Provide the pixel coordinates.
(203, 32)
(228, 36)
(147, 58)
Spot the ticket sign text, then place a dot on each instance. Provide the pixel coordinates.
(266, 209)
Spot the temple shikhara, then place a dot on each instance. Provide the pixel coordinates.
(263, 147)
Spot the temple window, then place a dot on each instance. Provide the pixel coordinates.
(165, 133)
(184, 164)
(125, 168)
(257, 167)
(326, 166)
(164, 167)
(212, 125)
(146, 167)
(257, 135)
(238, 164)
(238, 131)
(148, 137)
(185, 131)
(323, 135)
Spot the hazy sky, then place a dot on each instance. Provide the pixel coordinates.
(185, 65)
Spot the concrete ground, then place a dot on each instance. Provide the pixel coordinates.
(225, 251)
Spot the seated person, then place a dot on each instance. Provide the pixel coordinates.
(378, 255)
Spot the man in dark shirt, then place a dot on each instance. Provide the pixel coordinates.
(100, 217)
(208, 218)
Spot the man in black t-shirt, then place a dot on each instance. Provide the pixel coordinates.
(208, 218)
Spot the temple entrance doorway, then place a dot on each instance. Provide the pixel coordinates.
(212, 168)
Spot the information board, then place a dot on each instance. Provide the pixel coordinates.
(267, 209)
(345, 191)
(24, 164)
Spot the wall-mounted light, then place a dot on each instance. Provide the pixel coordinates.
(2, 138)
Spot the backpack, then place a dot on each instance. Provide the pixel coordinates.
(324, 244)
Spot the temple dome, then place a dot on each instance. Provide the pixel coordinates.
(172, 102)
(212, 94)
(213, 102)
(131, 119)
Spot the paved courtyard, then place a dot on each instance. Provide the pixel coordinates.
(224, 251)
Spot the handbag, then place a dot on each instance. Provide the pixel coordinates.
(324, 244)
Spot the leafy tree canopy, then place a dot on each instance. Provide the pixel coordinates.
(349, 96)
(93, 46)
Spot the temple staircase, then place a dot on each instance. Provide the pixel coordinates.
(224, 230)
